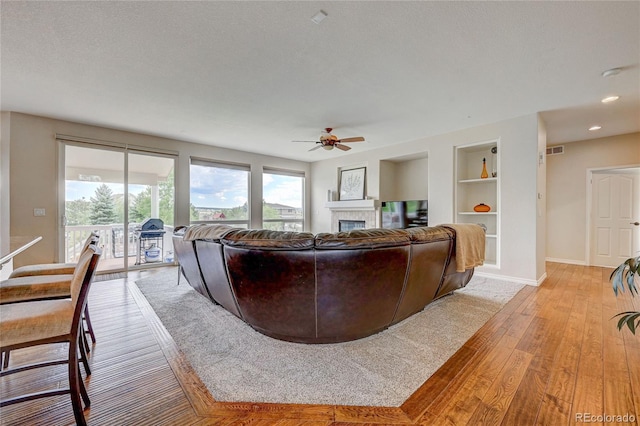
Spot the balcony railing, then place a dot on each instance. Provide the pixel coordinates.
(271, 224)
(112, 238)
(293, 225)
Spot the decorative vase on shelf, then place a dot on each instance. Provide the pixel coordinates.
(482, 208)
(484, 174)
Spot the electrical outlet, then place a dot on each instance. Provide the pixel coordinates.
(39, 212)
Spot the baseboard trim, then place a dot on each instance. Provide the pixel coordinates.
(518, 280)
(542, 278)
(569, 261)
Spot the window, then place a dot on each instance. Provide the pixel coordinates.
(283, 200)
(219, 193)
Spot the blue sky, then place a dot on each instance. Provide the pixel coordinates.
(280, 189)
(218, 187)
(76, 190)
(211, 187)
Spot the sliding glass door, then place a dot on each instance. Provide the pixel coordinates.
(117, 192)
(151, 208)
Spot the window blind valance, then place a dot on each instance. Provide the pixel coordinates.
(219, 164)
(116, 145)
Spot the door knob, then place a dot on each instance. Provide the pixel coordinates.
(635, 223)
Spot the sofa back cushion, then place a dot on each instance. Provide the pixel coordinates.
(362, 239)
(264, 239)
(272, 274)
(427, 234)
(431, 250)
(206, 231)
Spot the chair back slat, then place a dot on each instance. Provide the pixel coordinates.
(84, 271)
(93, 238)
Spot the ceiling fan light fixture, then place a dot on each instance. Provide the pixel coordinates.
(611, 72)
(610, 99)
(327, 147)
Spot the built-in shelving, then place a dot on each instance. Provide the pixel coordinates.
(471, 189)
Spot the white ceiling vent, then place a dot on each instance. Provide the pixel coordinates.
(555, 150)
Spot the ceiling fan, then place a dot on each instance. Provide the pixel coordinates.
(328, 141)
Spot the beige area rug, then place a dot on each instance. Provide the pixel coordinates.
(237, 363)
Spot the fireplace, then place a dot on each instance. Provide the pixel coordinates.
(367, 211)
(350, 225)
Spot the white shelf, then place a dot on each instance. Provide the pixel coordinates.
(479, 213)
(485, 180)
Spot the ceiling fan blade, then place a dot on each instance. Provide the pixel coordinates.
(306, 141)
(356, 139)
(342, 147)
(315, 147)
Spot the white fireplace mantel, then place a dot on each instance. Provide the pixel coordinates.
(348, 205)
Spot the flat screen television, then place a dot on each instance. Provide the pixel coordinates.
(404, 214)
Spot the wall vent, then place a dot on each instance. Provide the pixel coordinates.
(555, 150)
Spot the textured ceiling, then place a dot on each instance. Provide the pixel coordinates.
(255, 75)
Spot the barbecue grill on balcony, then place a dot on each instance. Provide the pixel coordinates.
(149, 234)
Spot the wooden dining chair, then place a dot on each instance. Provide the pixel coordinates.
(44, 322)
(46, 281)
(66, 268)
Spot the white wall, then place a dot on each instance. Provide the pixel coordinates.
(34, 175)
(541, 208)
(567, 208)
(518, 187)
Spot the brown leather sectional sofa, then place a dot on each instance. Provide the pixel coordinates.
(325, 288)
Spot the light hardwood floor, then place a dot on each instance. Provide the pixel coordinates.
(549, 357)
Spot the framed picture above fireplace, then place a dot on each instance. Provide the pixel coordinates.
(352, 183)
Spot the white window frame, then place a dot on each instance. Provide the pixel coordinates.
(239, 223)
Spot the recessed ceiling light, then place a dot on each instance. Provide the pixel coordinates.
(319, 17)
(610, 99)
(612, 71)
(593, 128)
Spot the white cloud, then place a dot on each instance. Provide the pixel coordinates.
(285, 190)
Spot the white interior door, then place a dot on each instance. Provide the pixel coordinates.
(615, 210)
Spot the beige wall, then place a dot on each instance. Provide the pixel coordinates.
(406, 179)
(34, 175)
(519, 189)
(4, 192)
(567, 208)
(412, 179)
